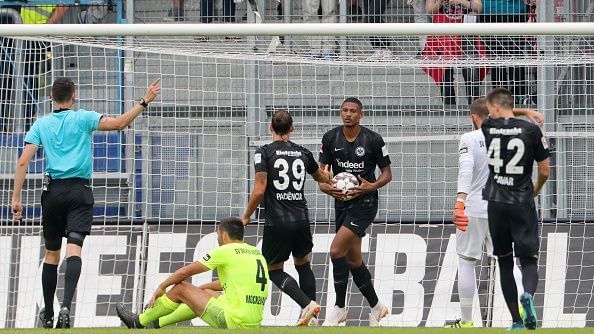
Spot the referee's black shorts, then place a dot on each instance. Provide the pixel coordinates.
(67, 206)
(280, 240)
(513, 224)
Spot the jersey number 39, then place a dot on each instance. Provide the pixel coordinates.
(297, 170)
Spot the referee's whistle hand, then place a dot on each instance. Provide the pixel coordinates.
(17, 210)
(153, 90)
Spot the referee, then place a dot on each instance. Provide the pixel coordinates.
(66, 136)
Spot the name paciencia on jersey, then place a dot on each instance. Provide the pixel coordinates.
(505, 132)
(289, 196)
(350, 167)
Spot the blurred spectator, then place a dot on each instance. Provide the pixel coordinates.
(420, 16)
(36, 60)
(176, 12)
(514, 78)
(207, 8)
(381, 45)
(321, 45)
(452, 47)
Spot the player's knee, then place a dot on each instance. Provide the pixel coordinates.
(179, 289)
(76, 238)
(336, 252)
(52, 256)
(506, 261)
(526, 261)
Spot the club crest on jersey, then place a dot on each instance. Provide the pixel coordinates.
(360, 151)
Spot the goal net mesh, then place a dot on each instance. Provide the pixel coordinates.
(186, 162)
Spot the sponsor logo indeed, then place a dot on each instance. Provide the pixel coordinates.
(351, 165)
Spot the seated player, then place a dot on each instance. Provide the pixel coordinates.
(236, 300)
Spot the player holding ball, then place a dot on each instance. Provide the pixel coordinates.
(357, 150)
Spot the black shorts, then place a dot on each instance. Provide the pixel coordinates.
(280, 240)
(513, 224)
(357, 216)
(67, 206)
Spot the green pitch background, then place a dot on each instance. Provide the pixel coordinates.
(290, 330)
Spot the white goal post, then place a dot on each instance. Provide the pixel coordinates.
(161, 184)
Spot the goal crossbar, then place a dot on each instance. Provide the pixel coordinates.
(298, 29)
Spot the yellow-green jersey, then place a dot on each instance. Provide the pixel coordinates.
(244, 277)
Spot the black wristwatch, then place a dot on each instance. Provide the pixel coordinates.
(142, 102)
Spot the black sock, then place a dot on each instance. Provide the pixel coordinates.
(341, 276)
(73, 265)
(289, 285)
(362, 278)
(529, 274)
(307, 280)
(508, 286)
(49, 281)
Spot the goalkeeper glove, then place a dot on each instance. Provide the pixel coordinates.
(460, 219)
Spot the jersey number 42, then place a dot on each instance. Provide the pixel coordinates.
(494, 156)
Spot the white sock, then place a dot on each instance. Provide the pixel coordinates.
(518, 279)
(466, 287)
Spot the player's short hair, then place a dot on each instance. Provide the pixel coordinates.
(353, 100)
(479, 108)
(62, 90)
(233, 226)
(282, 122)
(502, 97)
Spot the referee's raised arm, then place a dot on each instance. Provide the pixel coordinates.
(122, 121)
(66, 135)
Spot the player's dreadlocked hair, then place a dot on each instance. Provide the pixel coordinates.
(282, 122)
(233, 226)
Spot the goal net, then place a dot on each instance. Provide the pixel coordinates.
(186, 162)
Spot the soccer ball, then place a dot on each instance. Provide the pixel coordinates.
(345, 181)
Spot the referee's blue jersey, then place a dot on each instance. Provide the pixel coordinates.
(67, 140)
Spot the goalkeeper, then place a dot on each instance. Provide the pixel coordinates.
(470, 213)
(243, 278)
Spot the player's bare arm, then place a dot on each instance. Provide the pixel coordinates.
(533, 115)
(19, 178)
(122, 121)
(329, 189)
(543, 176)
(366, 186)
(323, 175)
(260, 181)
(178, 276)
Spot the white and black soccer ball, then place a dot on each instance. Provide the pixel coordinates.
(345, 181)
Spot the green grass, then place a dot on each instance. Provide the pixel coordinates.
(291, 330)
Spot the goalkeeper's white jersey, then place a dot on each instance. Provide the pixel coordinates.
(473, 172)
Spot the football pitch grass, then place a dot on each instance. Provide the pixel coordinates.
(292, 330)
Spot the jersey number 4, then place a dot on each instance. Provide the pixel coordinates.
(494, 156)
(261, 275)
(297, 169)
